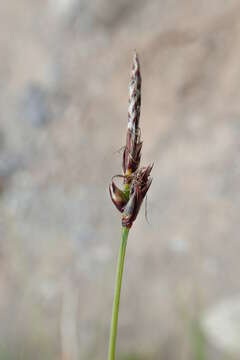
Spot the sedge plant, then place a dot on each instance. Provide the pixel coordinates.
(136, 182)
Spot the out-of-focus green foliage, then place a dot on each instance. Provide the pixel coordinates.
(197, 340)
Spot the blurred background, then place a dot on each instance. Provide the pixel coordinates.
(64, 73)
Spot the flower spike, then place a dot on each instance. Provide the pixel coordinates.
(136, 180)
(132, 152)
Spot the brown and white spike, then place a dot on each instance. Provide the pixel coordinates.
(134, 103)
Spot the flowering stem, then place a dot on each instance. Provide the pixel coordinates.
(117, 291)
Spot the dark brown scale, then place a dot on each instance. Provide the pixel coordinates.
(140, 184)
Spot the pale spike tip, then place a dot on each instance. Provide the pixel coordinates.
(136, 63)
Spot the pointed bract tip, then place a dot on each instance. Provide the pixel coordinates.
(136, 63)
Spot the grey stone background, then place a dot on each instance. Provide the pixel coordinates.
(64, 73)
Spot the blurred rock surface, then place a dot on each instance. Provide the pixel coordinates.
(64, 89)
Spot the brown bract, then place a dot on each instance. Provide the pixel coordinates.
(117, 195)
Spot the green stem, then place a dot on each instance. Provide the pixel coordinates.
(117, 291)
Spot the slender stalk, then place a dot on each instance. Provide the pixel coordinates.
(136, 183)
(117, 291)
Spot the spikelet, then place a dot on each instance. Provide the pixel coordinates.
(137, 180)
